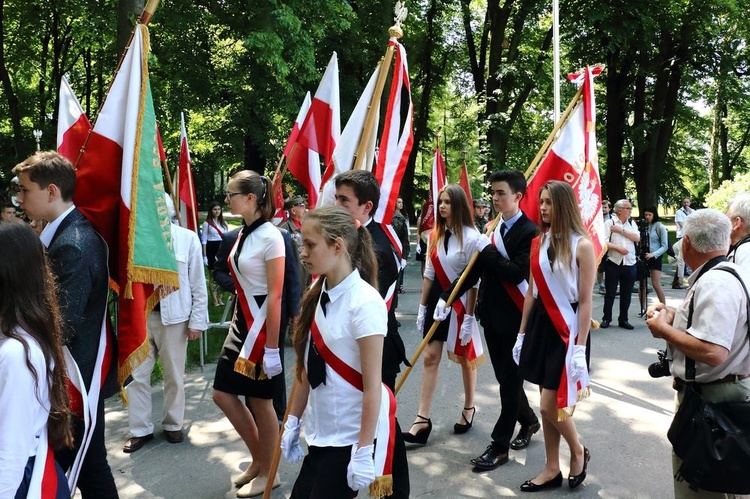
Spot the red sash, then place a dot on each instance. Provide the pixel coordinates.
(212, 224)
(565, 321)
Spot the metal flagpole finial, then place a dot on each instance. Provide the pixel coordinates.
(399, 14)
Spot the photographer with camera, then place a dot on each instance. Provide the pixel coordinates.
(707, 337)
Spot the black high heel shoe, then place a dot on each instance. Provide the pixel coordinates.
(464, 427)
(575, 481)
(529, 486)
(422, 435)
(642, 314)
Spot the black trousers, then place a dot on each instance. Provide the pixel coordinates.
(624, 275)
(323, 474)
(95, 480)
(513, 401)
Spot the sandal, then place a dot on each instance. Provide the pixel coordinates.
(422, 435)
(464, 427)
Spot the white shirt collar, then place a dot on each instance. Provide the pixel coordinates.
(341, 287)
(513, 219)
(49, 232)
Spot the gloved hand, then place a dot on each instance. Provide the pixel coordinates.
(517, 348)
(420, 318)
(578, 362)
(467, 328)
(483, 242)
(290, 447)
(205, 261)
(271, 362)
(441, 311)
(403, 263)
(361, 470)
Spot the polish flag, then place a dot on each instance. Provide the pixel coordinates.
(188, 201)
(72, 123)
(302, 162)
(321, 130)
(438, 179)
(464, 183)
(575, 142)
(278, 199)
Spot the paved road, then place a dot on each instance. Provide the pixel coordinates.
(624, 424)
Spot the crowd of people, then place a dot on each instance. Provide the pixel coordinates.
(331, 277)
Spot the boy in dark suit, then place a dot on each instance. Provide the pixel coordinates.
(78, 258)
(503, 266)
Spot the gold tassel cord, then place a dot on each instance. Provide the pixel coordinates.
(382, 486)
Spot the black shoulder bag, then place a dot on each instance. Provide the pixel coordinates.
(712, 439)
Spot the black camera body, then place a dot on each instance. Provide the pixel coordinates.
(660, 368)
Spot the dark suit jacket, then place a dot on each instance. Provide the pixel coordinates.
(495, 306)
(78, 258)
(291, 295)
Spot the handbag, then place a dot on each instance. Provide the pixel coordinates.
(712, 439)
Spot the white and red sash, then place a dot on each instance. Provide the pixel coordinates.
(335, 355)
(215, 227)
(473, 352)
(565, 320)
(85, 405)
(517, 292)
(46, 482)
(253, 348)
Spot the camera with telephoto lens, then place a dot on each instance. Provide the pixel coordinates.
(660, 368)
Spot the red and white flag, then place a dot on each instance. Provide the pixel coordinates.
(188, 201)
(573, 159)
(278, 199)
(438, 180)
(397, 139)
(464, 183)
(321, 130)
(302, 162)
(72, 123)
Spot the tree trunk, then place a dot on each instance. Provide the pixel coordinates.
(13, 105)
(617, 82)
(128, 12)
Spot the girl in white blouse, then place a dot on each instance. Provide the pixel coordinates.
(213, 228)
(339, 344)
(250, 363)
(34, 416)
(452, 242)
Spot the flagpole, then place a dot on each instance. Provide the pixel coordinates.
(168, 178)
(277, 450)
(492, 227)
(556, 58)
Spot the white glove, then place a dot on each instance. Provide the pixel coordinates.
(403, 263)
(205, 261)
(420, 318)
(290, 447)
(441, 311)
(361, 470)
(517, 348)
(467, 328)
(271, 362)
(578, 362)
(483, 242)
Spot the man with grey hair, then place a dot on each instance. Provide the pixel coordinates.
(621, 234)
(738, 213)
(707, 334)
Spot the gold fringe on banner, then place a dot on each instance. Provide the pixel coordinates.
(247, 368)
(134, 360)
(474, 364)
(382, 486)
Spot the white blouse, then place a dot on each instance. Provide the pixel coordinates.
(24, 408)
(208, 233)
(265, 243)
(457, 256)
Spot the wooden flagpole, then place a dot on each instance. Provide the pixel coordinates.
(534, 163)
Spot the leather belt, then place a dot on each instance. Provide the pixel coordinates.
(678, 384)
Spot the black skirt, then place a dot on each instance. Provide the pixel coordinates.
(441, 334)
(227, 379)
(543, 353)
(212, 248)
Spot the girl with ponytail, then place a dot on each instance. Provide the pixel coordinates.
(339, 345)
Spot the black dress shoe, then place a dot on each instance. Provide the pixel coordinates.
(575, 481)
(524, 436)
(529, 486)
(174, 437)
(491, 459)
(605, 324)
(422, 435)
(626, 325)
(135, 443)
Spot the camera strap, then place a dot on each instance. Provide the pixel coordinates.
(690, 363)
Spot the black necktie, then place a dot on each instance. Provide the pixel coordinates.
(503, 229)
(445, 240)
(316, 366)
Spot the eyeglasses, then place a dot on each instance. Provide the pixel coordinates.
(229, 195)
(299, 204)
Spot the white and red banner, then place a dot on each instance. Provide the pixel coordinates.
(573, 159)
(397, 139)
(321, 130)
(437, 182)
(72, 123)
(303, 163)
(188, 202)
(278, 199)
(463, 181)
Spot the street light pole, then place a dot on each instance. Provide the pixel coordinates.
(38, 138)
